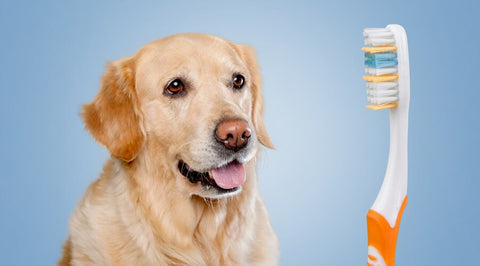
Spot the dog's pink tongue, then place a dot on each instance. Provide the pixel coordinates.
(229, 176)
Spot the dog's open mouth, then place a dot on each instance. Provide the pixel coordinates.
(227, 178)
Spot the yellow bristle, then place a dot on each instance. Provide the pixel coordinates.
(379, 49)
(381, 78)
(381, 106)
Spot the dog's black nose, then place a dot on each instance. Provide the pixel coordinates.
(233, 134)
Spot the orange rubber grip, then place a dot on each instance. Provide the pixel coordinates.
(382, 239)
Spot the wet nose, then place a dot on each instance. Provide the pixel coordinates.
(233, 134)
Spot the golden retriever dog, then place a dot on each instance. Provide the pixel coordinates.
(182, 120)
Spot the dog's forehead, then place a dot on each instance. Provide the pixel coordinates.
(206, 52)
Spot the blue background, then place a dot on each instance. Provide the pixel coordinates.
(331, 151)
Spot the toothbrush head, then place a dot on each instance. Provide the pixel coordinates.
(381, 67)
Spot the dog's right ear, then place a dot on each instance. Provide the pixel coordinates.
(113, 117)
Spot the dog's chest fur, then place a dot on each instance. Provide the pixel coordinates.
(126, 228)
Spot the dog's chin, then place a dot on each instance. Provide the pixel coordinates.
(215, 193)
(208, 187)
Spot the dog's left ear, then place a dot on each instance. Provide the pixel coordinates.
(113, 117)
(247, 53)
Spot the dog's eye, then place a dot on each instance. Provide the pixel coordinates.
(238, 81)
(174, 87)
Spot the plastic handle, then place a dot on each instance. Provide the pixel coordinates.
(382, 238)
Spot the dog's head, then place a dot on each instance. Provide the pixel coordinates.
(192, 101)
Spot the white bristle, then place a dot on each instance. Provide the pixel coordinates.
(382, 93)
(379, 41)
(380, 71)
(382, 100)
(378, 36)
(377, 32)
(382, 85)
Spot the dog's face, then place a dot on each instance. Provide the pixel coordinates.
(192, 101)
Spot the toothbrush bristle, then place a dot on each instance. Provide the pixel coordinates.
(378, 36)
(381, 67)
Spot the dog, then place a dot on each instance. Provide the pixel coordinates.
(182, 120)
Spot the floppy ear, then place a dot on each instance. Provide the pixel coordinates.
(112, 117)
(247, 53)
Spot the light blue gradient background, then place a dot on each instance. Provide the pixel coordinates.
(331, 151)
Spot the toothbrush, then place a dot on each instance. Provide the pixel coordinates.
(388, 83)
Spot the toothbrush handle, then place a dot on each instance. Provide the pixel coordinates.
(382, 238)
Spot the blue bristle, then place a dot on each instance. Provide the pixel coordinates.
(381, 56)
(381, 60)
(380, 64)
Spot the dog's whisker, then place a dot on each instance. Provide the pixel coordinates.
(185, 144)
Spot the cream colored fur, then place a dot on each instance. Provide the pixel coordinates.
(142, 211)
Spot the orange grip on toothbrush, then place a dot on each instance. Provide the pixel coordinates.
(382, 238)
